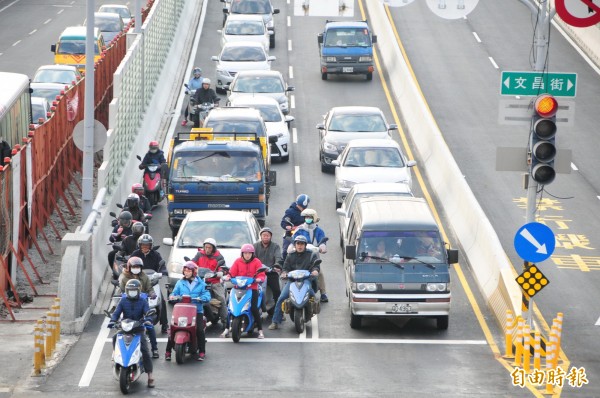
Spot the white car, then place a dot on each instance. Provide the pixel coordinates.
(269, 83)
(264, 8)
(244, 28)
(230, 228)
(370, 160)
(363, 190)
(277, 124)
(120, 9)
(239, 56)
(64, 74)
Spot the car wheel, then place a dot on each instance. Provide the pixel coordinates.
(323, 76)
(369, 76)
(285, 158)
(324, 168)
(272, 40)
(337, 204)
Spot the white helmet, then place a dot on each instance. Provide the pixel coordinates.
(310, 213)
(206, 80)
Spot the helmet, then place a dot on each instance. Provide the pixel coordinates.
(137, 187)
(300, 238)
(133, 200)
(197, 71)
(206, 80)
(153, 145)
(190, 265)
(133, 262)
(210, 241)
(133, 288)
(310, 213)
(247, 248)
(265, 229)
(145, 240)
(138, 228)
(303, 200)
(125, 219)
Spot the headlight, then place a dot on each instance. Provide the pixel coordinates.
(330, 59)
(182, 321)
(175, 267)
(127, 325)
(437, 287)
(222, 72)
(365, 59)
(364, 287)
(241, 282)
(329, 147)
(347, 184)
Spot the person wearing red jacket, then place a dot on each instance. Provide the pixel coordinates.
(247, 265)
(209, 257)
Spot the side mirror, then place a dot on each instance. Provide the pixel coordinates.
(138, 157)
(320, 126)
(393, 127)
(215, 58)
(220, 31)
(53, 48)
(168, 241)
(289, 119)
(320, 38)
(271, 58)
(112, 214)
(411, 163)
(225, 11)
(341, 212)
(452, 256)
(290, 88)
(374, 39)
(351, 252)
(120, 206)
(276, 11)
(335, 162)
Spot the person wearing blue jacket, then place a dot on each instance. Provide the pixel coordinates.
(291, 219)
(194, 287)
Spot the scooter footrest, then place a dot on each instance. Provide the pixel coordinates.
(286, 306)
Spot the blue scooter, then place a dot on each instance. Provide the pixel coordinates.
(300, 305)
(239, 311)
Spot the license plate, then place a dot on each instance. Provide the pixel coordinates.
(402, 308)
(348, 69)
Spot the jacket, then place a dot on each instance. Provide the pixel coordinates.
(194, 288)
(151, 260)
(212, 262)
(270, 255)
(137, 213)
(293, 213)
(203, 96)
(129, 244)
(242, 268)
(131, 309)
(195, 84)
(153, 158)
(305, 260)
(119, 233)
(126, 276)
(313, 235)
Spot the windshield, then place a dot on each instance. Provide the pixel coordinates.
(243, 54)
(74, 47)
(238, 126)
(221, 166)
(49, 94)
(251, 7)
(258, 84)
(357, 123)
(123, 12)
(347, 37)
(108, 25)
(226, 233)
(373, 157)
(54, 76)
(425, 246)
(245, 28)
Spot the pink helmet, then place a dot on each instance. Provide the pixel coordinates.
(247, 248)
(191, 265)
(137, 187)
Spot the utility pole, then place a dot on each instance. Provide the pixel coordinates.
(87, 182)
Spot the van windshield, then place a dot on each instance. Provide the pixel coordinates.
(221, 166)
(74, 47)
(407, 246)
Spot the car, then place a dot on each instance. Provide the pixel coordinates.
(65, 74)
(344, 123)
(277, 124)
(40, 107)
(120, 9)
(47, 90)
(239, 56)
(269, 83)
(109, 23)
(242, 27)
(363, 190)
(264, 8)
(230, 228)
(370, 160)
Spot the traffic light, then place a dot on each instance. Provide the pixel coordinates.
(543, 132)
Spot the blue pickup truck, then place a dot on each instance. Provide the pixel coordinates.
(216, 174)
(346, 48)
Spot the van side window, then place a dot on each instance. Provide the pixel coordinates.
(352, 231)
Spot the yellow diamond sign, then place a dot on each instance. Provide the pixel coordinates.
(532, 280)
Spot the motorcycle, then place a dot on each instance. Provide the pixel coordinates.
(152, 182)
(211, 311)
(183, 325)
(127, 360)
(300, 306)
(239, 311)
(155, 300)
(200, 111)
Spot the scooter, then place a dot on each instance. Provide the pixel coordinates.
(211, 311)
(155, 300)
(127, 360)
(239, 312)
(152, 182)
(200, 112)
(300, 306)
(183, 325)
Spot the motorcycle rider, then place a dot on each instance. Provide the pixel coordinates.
(119, 232)
(209, 257)
(247, 265)
(194, 84)
(133, 271)
(195, 287)
(155, 156)
(130, 243)
(314, 234)
(206, 94)
(133, 308)
(132, 205)
(269, 253)
(145, 205)
(298, 259)
(154, 261)
(293, 215)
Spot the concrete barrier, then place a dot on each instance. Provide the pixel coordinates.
(491, 268)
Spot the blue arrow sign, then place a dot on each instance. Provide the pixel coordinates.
(534, 242)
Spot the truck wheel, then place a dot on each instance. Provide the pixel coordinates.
(323, 76)
(355, 321)
(442, 322)
(369, 76)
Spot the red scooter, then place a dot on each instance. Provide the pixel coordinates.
(182, 329)
(152, 182)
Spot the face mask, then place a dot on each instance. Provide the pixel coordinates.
(309, 221)
(132, 294)
(136, 271)
(153, 150)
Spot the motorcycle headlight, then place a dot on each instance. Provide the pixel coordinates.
(329, 147)
(437, 287)
(127, 325)
(365, 59)
(182, 321)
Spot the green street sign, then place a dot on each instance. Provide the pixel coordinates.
(536, 83)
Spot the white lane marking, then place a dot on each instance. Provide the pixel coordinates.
(15, 43)
(294, 133)
(47, 21)
(289, 21)
(573, 167)
(302, 336)
(293, 101)
(297, 174)
(60, 11)
(337, 341)
(291, 72)
(94, 358)
(289, 45)
(6, 6)
(477, 37)
(33, 31)
(315, 327)
(493, 62)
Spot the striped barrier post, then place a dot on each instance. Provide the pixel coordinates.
(537, 352)
(526, 349)
(519, 342)
(559, 325)
(52, 317)
(48, 336)
(556, 347)
(549, 353)
(56, 308)
(38, 351)
(510, 326)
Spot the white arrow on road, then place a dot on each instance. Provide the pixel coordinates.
(527, 235)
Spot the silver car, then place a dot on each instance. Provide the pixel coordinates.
(264, 8)
(239, 56)
(370, 160)
(268, 83)
(241, 27)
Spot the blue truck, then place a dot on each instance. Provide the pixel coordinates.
(217, 174)
(346, 48)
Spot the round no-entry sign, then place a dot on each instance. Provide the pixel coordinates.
(578, 13)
